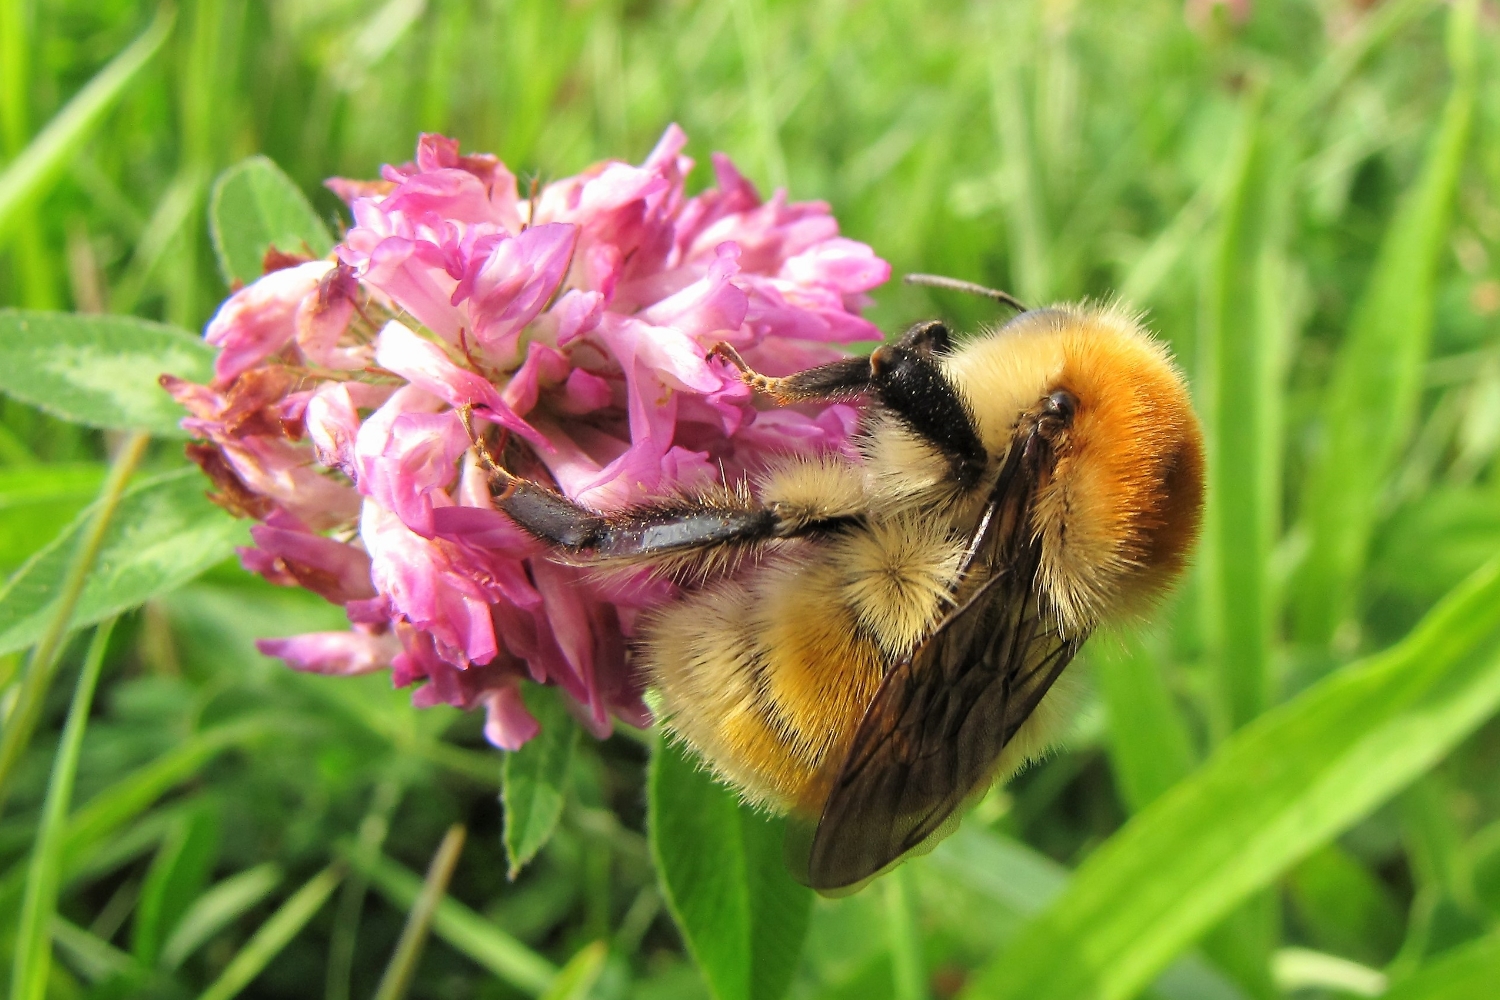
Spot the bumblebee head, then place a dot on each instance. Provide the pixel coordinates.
(1117, 506)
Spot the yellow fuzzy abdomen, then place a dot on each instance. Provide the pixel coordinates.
(768, 676)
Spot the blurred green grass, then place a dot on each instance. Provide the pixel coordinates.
(1305, 202)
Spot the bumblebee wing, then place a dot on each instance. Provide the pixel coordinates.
(935, 730)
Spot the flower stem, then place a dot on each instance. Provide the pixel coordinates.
(43, 663)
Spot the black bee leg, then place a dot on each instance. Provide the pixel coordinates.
(654, 530)
(905, 377)
(838, 380)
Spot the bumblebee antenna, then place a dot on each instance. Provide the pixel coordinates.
(959, 285)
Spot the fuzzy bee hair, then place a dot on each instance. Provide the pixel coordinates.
(869, 643)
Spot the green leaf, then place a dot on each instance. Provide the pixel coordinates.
(1461, 974)
(461, 927)
(37, 502)
(273, 935)
(217, 908)
(99, 370)
(1344, 906)
(725, 880)
(577, 978)
(534, 779)
(1376, 385)
(1287, 783)
(164, 534)
(33, 943)
(28, 177)
(177, 874)
(254, 207)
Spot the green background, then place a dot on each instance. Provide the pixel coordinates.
(1285, 784)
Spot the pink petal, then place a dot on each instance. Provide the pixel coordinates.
(574, 315)
(542, 365)
(332, 423)
(841, 264)
(259, 320)
(710, 306)
(417, 577)
(507, 723)
(283, 472)
(405, 455)
(507, 287)
(585, 392)
(415, 275)
(343, 654)
(424, 364)
(322, 319)
(336, 571)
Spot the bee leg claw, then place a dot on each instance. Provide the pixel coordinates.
(760, 383)
(498, 475)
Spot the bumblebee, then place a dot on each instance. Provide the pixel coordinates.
(870, 644)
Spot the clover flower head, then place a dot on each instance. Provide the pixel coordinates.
(575, 324)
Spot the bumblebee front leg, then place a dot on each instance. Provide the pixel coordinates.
(905, 377)
(642, 533)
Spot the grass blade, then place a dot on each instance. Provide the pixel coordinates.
(462, 928)
(1023, 881)
(130, 796)
(1468, 971)
(1149, 748)
(1285, 784)
(1022, 194)
(95, 959)
(1377, 379)
(372, 831)
(908, 975)
(127, 798)
(43, 662)
(217, 908)
(274, 934)
(1301, 969)
(577, 978)
(33, 955)
(1239, 522)
(46, 157)
(403, 964)
(178, 873)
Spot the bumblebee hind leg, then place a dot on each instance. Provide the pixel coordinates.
(651, 531)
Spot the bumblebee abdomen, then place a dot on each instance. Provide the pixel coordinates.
(767, 676)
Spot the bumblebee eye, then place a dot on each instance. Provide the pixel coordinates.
(1059, 407)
